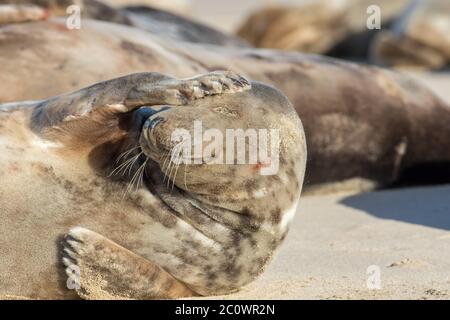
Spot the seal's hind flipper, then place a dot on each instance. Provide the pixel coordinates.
(108, 271)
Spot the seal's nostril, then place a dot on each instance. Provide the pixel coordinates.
(148, 126)
(153, 122)
(143, 114)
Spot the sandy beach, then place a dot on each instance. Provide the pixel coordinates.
(386, 244)
(334, 239)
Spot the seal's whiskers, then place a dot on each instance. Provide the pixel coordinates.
(177, 166)
(126, 153)
(164, 164)
(185, 182)
(132, 164)
(124, 166)
(137, 177)
(174, 163)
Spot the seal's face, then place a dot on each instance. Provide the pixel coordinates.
(228, 150)
(212, 141)
(194, 168)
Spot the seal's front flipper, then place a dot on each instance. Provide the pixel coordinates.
(17, 13)
(105, 270)
(182, 91)
(102, 107)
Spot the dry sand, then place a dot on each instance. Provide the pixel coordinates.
(335, 238)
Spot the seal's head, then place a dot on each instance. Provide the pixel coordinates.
(243, 152)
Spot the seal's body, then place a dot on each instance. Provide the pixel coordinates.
(152, 20)
(141, 228)
(362, 122)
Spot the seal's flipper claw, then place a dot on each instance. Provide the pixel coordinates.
(106, 270)
(180, 92)
(219, 82)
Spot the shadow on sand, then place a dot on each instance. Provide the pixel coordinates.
(424, 206)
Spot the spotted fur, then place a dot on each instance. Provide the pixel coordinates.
(58, 166)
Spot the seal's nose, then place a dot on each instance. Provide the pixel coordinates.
(144, 113)
(151, 123)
